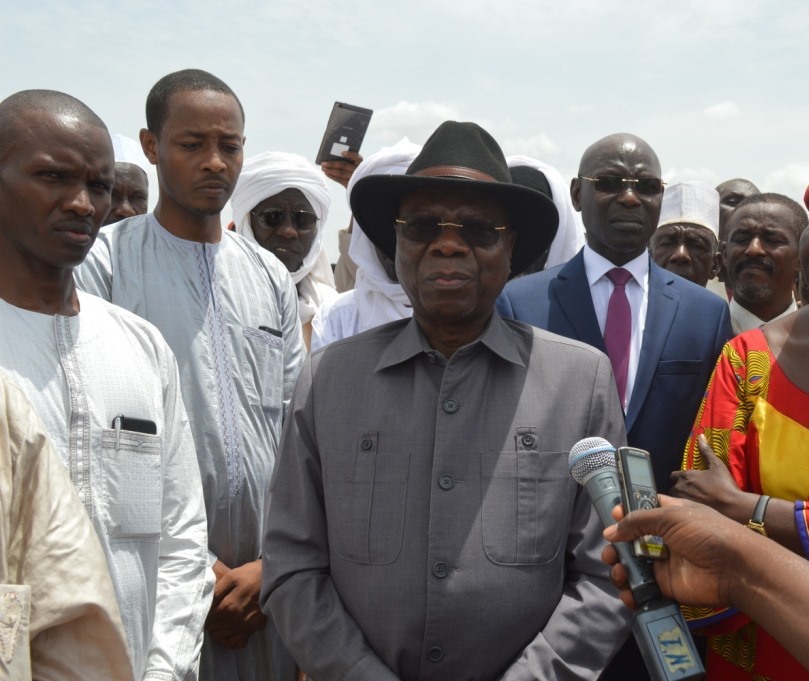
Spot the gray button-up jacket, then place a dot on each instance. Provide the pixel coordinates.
(422, 523)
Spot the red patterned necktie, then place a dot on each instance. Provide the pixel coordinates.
(618, 329)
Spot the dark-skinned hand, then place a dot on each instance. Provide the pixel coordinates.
(235, 614)
(699, 540)
(714, 486)
(341, 171)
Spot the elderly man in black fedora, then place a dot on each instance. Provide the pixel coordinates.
(421, 522)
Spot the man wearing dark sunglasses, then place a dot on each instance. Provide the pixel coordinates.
(422, 521)
(663, 334)
(281, 202)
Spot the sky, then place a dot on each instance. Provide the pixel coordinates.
(716, 87)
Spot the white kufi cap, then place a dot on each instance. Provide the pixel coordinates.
(695, 203)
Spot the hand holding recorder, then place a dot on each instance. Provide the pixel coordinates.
(700, 542)
(659, 627)
(715, 561)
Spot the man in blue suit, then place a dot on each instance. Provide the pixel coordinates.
(677, 328)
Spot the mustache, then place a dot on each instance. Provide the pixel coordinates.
(761, 263)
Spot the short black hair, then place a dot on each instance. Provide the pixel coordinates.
(187, 80)
(800, 218)
(49, 101)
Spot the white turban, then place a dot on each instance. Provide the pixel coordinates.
(127, 150)
(268, 174)
(378, 299)
(569, 237)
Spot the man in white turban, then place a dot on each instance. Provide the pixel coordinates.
(377, 297)
(130, 193)
(570, 236)
(281, 202)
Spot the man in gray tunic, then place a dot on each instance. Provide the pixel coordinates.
(421, 522)
(228, 309)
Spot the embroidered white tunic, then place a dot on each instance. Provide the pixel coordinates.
(141, 491)
(229, 312)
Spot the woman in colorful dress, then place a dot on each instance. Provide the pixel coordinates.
(748, 457)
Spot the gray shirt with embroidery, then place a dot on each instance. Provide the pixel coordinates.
(229, 312)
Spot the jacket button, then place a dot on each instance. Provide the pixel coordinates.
(366, 443)
(450, 406)
(528, 440)
(440, 570)
(435, 654)
(446, 482)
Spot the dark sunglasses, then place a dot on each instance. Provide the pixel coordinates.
(615, 184)
(476, 233)
(272, 218)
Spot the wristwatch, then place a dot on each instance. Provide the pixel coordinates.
(756, 523)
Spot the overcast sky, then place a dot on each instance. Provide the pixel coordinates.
(717, 87)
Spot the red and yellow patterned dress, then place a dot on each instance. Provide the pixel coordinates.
(757, 422)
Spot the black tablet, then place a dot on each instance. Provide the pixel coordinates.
(344, 131)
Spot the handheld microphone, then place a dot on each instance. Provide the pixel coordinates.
(658, 625)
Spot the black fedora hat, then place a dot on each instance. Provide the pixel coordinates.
(458, 156)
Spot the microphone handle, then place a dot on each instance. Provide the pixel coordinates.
(660, 630)
(665, 642)
(605, 492)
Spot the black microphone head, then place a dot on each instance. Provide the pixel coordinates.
(589, 455)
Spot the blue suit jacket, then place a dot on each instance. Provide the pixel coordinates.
(686, 327)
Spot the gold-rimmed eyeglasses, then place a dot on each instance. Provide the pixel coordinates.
(476, 233)
(614, 184)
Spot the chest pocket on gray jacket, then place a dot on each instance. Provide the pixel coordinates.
(365, 503)
(263, 367)
(132, 483)
(526, 506)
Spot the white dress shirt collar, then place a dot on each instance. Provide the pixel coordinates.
(597, 266)
(741, 319)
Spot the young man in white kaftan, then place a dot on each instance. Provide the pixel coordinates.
(229, 311)
(104, 381)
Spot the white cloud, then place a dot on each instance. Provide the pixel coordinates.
(723, 111)
(579, 109)
(530, 18)
(416, 120)
(791, 180)
(675, 175)
(537, 146)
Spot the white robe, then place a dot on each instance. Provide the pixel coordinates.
(47, 548)
(142, 492)
(375, 298)
(229, 312)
